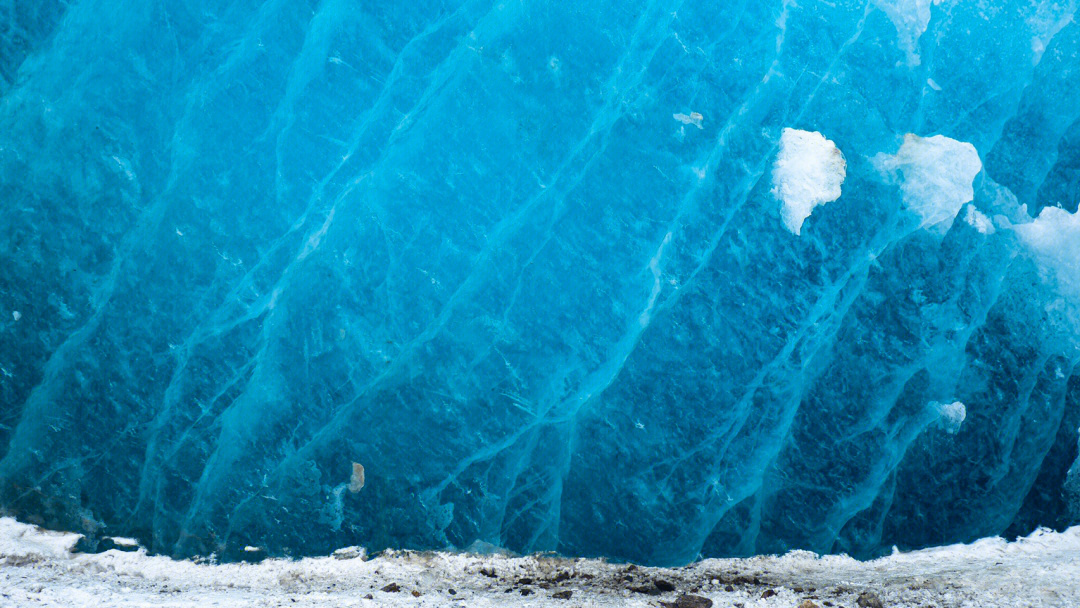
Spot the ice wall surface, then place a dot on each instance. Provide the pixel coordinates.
(527, 264)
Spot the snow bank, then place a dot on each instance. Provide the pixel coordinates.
(808, 172)
(37, 567)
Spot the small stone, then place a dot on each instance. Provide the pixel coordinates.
(392, 588)
(768, 593)
(488, 572)
(689, 601)
(562, 595)
(646, 589)
(729, 588)
(369, 597)
(451, 592)
(663, 585)
(356, 481)
(525, 581)
(526, 591)
(868, 599)
(808, 604)
(415, 593)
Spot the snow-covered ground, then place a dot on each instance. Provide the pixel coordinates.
(37, 568)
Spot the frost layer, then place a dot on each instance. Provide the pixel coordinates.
(808, 172)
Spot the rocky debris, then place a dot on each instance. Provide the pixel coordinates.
(868, 599)
(488, 572)
(646, 589)
(415, 593)
(392, 588)
(562, 595)
(689, 601)
(767, 594)
(808, 604)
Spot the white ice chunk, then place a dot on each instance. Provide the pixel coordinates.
(910, 17)
(808, 172)
(952, 415)
(936, 176)
(16, 315)
(123, 541)
(978, 220)
(1053, 237)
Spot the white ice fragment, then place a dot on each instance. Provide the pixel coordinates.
(694, 118)
(356, 482)
(808, 172)
(16, 315)
(1053, 238)
(250, 549)
(978, 220)
(952, 415)
(123, 541)
(936, 176)
(933, 85)
(910, 17)
(353, 552)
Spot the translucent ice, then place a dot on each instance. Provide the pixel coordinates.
(310, 274)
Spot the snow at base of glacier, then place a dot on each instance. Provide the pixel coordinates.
(316, 274)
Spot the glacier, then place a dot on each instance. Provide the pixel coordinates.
(648, 281)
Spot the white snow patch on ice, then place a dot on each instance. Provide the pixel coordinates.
(19, 540)
(936, 176)
(911, 18)
(37, 568)
(808, 172)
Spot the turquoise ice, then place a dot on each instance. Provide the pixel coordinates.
(649, 281)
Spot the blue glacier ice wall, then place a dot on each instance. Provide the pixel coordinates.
(649, 281)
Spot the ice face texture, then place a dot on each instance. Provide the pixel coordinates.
(523, 263)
